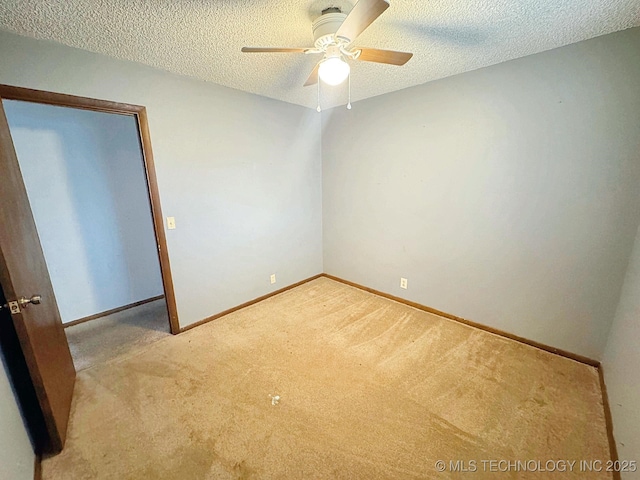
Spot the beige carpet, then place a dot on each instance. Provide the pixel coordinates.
(368, 389)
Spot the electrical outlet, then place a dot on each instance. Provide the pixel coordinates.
(171, 223)
(273, 278)
(403, 283)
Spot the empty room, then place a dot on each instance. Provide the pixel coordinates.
(319, 239)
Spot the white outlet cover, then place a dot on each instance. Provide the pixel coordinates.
(403, 283)
(273, 278)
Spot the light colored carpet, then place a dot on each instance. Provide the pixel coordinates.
(102, 339)
(368, 388)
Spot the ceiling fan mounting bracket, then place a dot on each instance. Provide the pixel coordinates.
(331, 10)
(325, 28)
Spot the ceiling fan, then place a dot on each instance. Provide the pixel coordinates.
(334, 32)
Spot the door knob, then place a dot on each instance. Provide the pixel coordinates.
(35, 299)
(22, 302)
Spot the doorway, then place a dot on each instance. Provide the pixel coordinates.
(24, 275)
(84, 175)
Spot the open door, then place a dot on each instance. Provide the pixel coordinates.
(25, 280)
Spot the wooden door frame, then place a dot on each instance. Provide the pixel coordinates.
(8, 92)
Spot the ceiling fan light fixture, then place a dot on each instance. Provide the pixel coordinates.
(333, 70)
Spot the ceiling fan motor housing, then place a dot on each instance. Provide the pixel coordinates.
(324, 28)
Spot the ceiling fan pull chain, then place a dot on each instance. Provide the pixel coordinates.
(319, 109)
(349, 103)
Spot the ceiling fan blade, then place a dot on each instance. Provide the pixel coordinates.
(384, 56)
(273, 50)
(361, 16)
(313, 78)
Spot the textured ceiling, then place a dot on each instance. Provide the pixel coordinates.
(202, 38)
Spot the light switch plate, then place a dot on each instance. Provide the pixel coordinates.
(171, 223)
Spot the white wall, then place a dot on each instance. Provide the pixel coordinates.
(85, 179)
(241, 173)
(16, 453)
(508, 195)
(621, 364)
